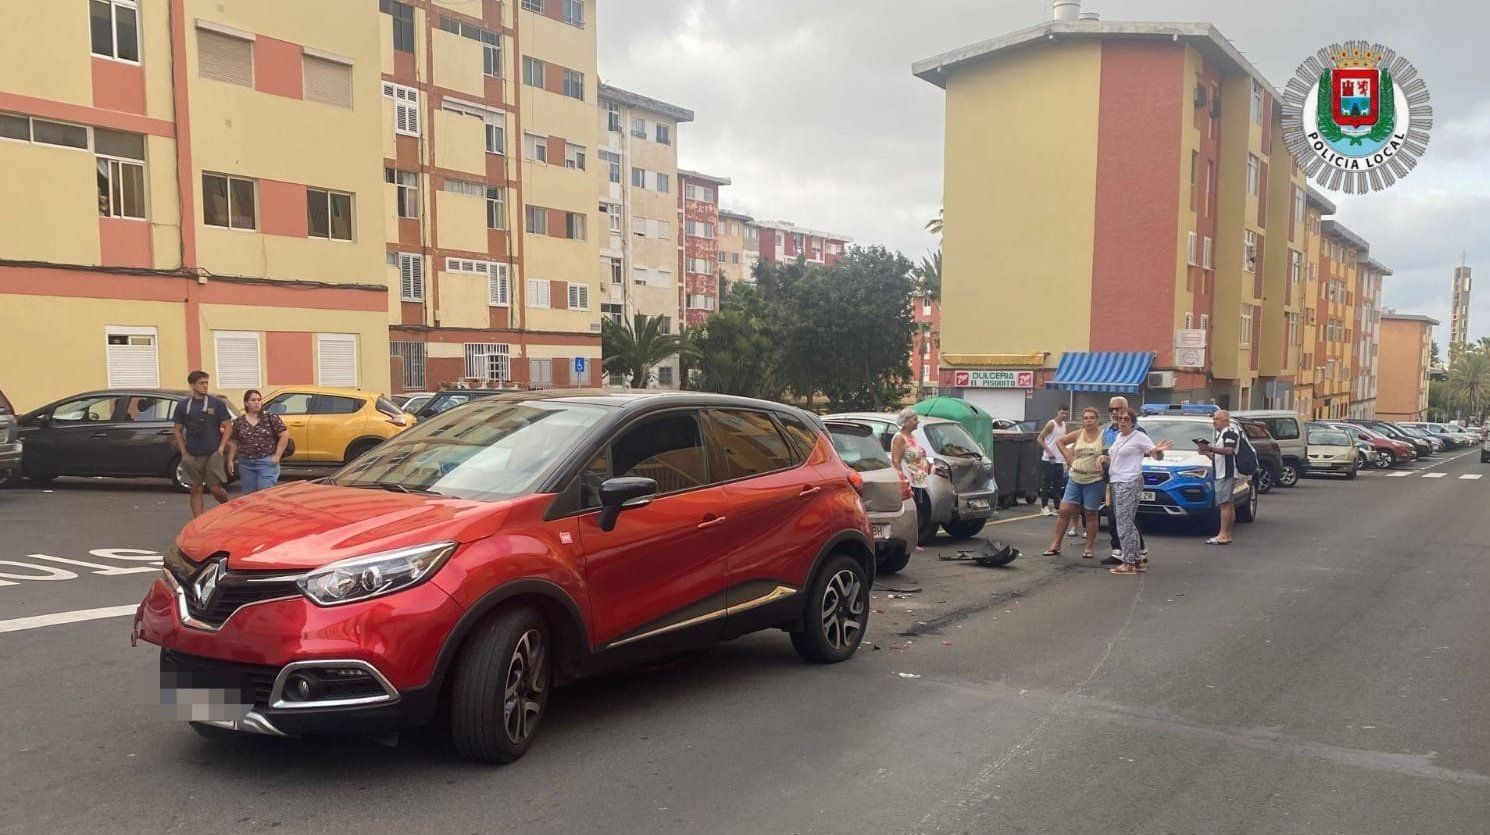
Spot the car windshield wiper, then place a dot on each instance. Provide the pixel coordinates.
(395, 487)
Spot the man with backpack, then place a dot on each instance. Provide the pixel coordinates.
(1226, 451)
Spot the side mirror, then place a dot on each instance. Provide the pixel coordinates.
(43, 420)
(618, 494)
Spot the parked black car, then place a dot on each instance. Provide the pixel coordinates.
(1397, 433)
(116, 433)
(1269, 454)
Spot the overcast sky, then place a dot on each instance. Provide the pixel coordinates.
(810, 107)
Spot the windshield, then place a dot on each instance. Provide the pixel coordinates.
(860, 452)
(1181, 433)
(1328, 437)
(951, 439)
(496, 449)
(1415, 432)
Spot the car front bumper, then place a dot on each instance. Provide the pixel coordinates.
(1178, 497)
(238, 676)
(1332, 465)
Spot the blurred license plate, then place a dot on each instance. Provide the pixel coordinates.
(977, 504)
(881, 531)
(1148, 496)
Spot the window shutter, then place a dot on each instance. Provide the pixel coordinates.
(225, 58)
(133, 358)
(336, 359)
(498, 286)
(237, 359)
(405, 106)
(411, 277)
(328, 82)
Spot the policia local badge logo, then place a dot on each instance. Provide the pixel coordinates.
(1356, 116)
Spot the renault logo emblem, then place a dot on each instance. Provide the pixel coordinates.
(206, 585)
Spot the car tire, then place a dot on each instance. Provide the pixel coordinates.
(1289, 475)
(1248, 512)
(1350, 476)
(965, 529)
(359, 449)
(836, 613)
(178, 479)
(41, 478)
(1265, 480)
(500, 691)
(894, 561)
(1385, 459)
(10, 478)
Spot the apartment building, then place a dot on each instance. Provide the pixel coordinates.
(926, 349)
(780, 242)
(699, 259)
(1406, 346)
(1459, 313)
(738, 251)
(1163, 209)
(488, 136)
(1335, 349)
(173, 201)
(1367, 342)
(639, 258)
(1316, 208)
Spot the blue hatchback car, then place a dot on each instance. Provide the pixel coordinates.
(1182, 484)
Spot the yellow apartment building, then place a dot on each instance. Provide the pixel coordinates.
(638, 199)
(1316, 208)
(489, 172)
(1367, 338)
(1146, 237)
(1406, 345)
(1335, 351)
(178, 197)
(733, 263)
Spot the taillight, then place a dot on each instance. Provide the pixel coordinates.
(905, 487)
(856, 481)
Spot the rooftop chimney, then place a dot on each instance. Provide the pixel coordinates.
(1065, 9)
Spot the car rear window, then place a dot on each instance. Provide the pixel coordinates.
(860, 451)
(743, 443)
(800, 433)
(1284, 429)
(1329, 437)
(951, 439)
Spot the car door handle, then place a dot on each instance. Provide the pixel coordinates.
(712, 523)
(809, 491)
(165, 432)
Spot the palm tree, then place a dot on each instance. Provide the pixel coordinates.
(934, 226)
(928, 275)
(688, 355)
(1469, 381)
(632, 348)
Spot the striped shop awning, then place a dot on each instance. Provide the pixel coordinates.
(1115, 372)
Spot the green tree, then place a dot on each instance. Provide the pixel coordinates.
(934, 226)
(738, 353)
(1469, 381)
(1434, 358)
(631, 349)
(688, 355)
(928, 275)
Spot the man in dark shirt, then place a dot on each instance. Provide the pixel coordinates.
(1223, 451)
(201, 426)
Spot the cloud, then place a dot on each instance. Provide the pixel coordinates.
(810, 107)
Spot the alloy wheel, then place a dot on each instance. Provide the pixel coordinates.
(843, 610)
(1384, 459)
(1264, 480)
(1289, 476)
(527, 679)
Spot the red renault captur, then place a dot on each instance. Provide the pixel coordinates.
(511, 544)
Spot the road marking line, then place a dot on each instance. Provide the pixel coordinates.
(38, 621)
(1434, 475)
(1403, 474)
(1471, 476)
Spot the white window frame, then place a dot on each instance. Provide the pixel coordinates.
(661, 183)
(529, 226)
(498, 284)
(569, 76)
(615, 271)
(1254, 174)
(638, 177)
(330, 228)
(1249, 250)
(480, 356)
(1245, 340)
(323, 339)
(612, 117)
(496, 206)
(539, 294)
(495, 122)
(1256, 102)
(535, 147)
(230, 178)
(410, 276)
(575, 20)
(663, 133)
(114, 31)
(612, 161)
(1205, 321)
(130, 333)
(115, 166)
(406, 191)
(1190, 249)
(405, 107)
(1207, 254)
(231, 378)
(579, 296)
(574, 156)
(638, 127)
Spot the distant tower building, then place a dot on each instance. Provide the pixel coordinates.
(1459, 322)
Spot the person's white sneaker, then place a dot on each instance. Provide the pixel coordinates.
(1117, 552)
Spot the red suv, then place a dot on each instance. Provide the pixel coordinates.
(508, 545)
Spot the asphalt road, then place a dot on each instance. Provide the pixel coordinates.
(1328, 673)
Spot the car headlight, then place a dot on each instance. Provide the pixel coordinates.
(1200, 473)
(363, 578)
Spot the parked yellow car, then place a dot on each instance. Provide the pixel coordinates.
(332, 426)
(1332, 451)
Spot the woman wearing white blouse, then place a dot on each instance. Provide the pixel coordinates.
(1124, 462)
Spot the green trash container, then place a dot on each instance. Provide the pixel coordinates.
(1006, 466)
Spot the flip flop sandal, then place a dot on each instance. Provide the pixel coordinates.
(1123, 569)
(1054, 552)
(1143, 565)
(1088, 556)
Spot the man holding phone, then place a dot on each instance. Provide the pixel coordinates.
(1222, 449)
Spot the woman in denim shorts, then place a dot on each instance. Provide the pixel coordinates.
(1082, 450)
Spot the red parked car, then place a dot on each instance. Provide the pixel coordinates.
(508, 545)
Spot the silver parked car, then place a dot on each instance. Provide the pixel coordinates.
(962, 491)
(887, 495)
